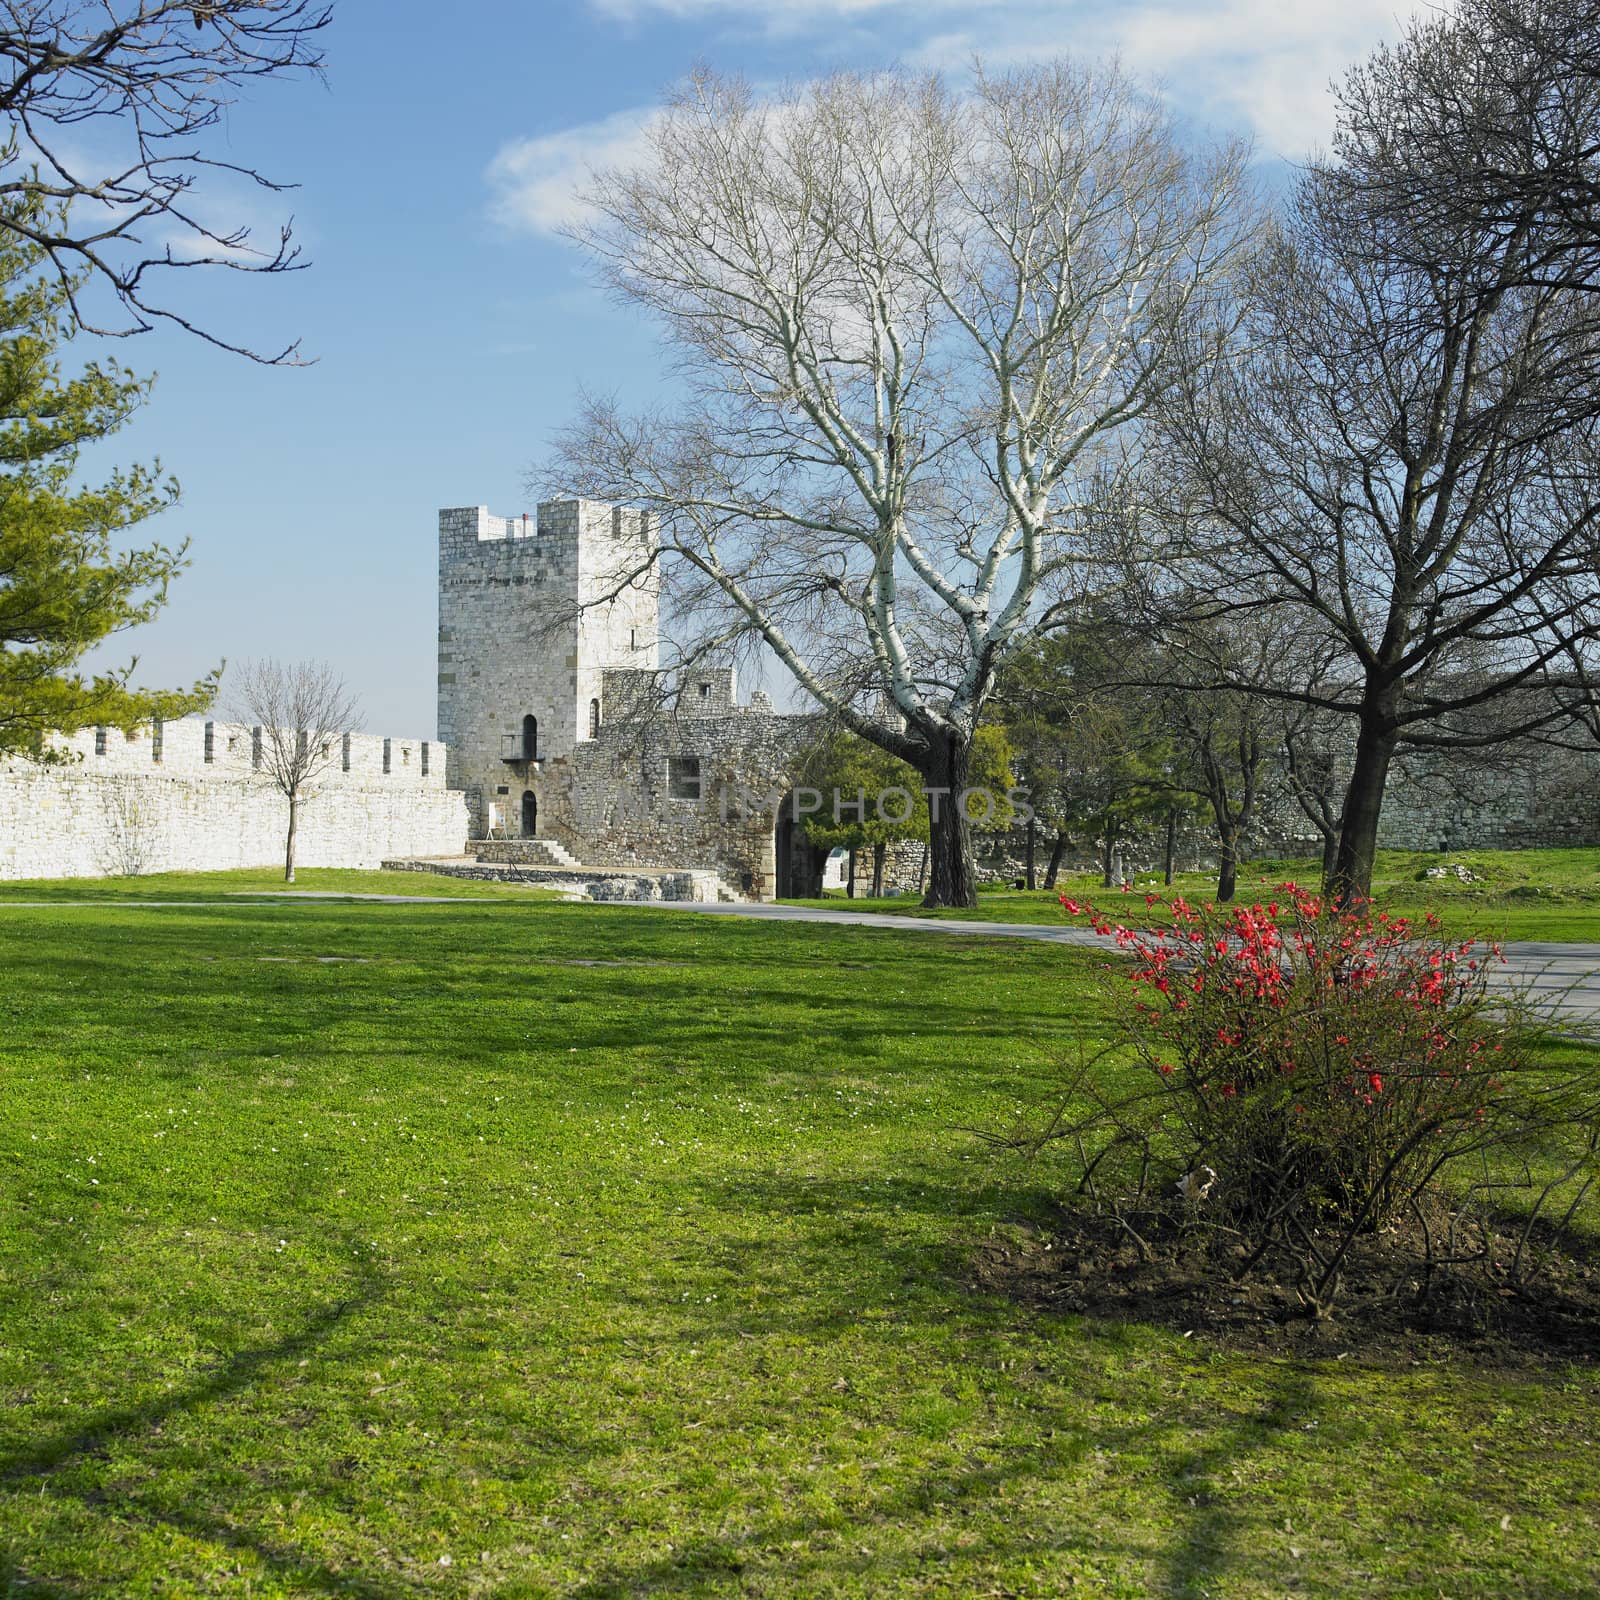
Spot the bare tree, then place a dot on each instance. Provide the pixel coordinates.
(303, 711)
(914, 327)
(106, 106)
(1221, 738)
(1405, 455)
(1312, 753)
(1486, 118)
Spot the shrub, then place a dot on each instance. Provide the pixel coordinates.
(1305, 1074)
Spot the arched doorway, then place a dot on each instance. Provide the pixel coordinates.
(530, 738)
(530, 815)
(797, 862)
(783, 854)
(594, 719)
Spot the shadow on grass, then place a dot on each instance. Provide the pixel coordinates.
(35, 1468)
(217, 983)
(796, 1553)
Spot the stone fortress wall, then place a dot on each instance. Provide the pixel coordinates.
(1525, 798)
(548, 686)
(189, 796)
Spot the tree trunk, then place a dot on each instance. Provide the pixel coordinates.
(288, 849)
(1057, 851)
(1105, 859)
(952, 880)
(1351, 879)
(879, 852)
(1171, 847)
(1330, 854)
(850, 880)
(1227, 867)
(1033, 828)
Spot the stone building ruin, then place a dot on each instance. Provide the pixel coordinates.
(550, 705)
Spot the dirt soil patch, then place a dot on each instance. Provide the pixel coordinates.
(1390, 1310)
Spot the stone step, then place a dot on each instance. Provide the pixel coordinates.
(523, 852)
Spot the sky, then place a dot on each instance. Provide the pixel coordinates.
(450, 328)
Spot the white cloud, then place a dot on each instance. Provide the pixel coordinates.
(535, 182)
(1267, 63)
(786, 11)
(1262, 66)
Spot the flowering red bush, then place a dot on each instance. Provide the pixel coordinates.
(1308, 1070)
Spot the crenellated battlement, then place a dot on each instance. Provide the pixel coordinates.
(583, 536)
(199, 748)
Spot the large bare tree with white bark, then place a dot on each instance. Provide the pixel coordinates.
(915, 327)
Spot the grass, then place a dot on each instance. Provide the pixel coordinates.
(541, 1250)
(210, 886)
(1549, 895)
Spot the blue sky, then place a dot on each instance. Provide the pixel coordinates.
(451, 329)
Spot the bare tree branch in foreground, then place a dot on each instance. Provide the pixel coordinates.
(140, 84)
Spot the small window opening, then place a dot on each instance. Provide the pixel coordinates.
(211, 741)
(683, 777)
(424, 758)
(344, 752)
(594, 719)
(388, 758)
(255, 748)
(99, 741)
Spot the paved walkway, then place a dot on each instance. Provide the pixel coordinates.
(1564, 973)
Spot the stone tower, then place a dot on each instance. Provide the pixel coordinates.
(523, 646)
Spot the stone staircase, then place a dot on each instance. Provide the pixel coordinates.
(523, 852)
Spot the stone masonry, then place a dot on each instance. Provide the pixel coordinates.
(548, 686)
(188, 796)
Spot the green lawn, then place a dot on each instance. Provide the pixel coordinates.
(200, 886)
(1518, 894)
(525, 1249)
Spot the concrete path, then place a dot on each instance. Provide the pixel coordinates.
(1564, 976)
(1567, 976)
